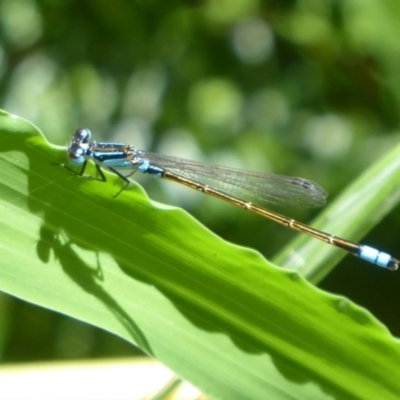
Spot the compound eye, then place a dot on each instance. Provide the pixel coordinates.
(82, 135)
(76, 156)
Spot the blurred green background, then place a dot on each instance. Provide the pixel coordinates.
(306, 88)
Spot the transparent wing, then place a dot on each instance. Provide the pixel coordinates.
(246, 185)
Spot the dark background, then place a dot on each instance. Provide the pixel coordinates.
(304, 88)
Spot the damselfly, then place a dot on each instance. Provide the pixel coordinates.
(232, 185)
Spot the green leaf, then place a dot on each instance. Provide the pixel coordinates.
(219, 315)
(361, 206)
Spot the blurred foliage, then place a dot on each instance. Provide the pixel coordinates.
(304, 88)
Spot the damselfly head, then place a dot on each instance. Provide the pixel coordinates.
(78, 146)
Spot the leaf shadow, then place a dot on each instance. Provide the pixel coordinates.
(88, 279)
